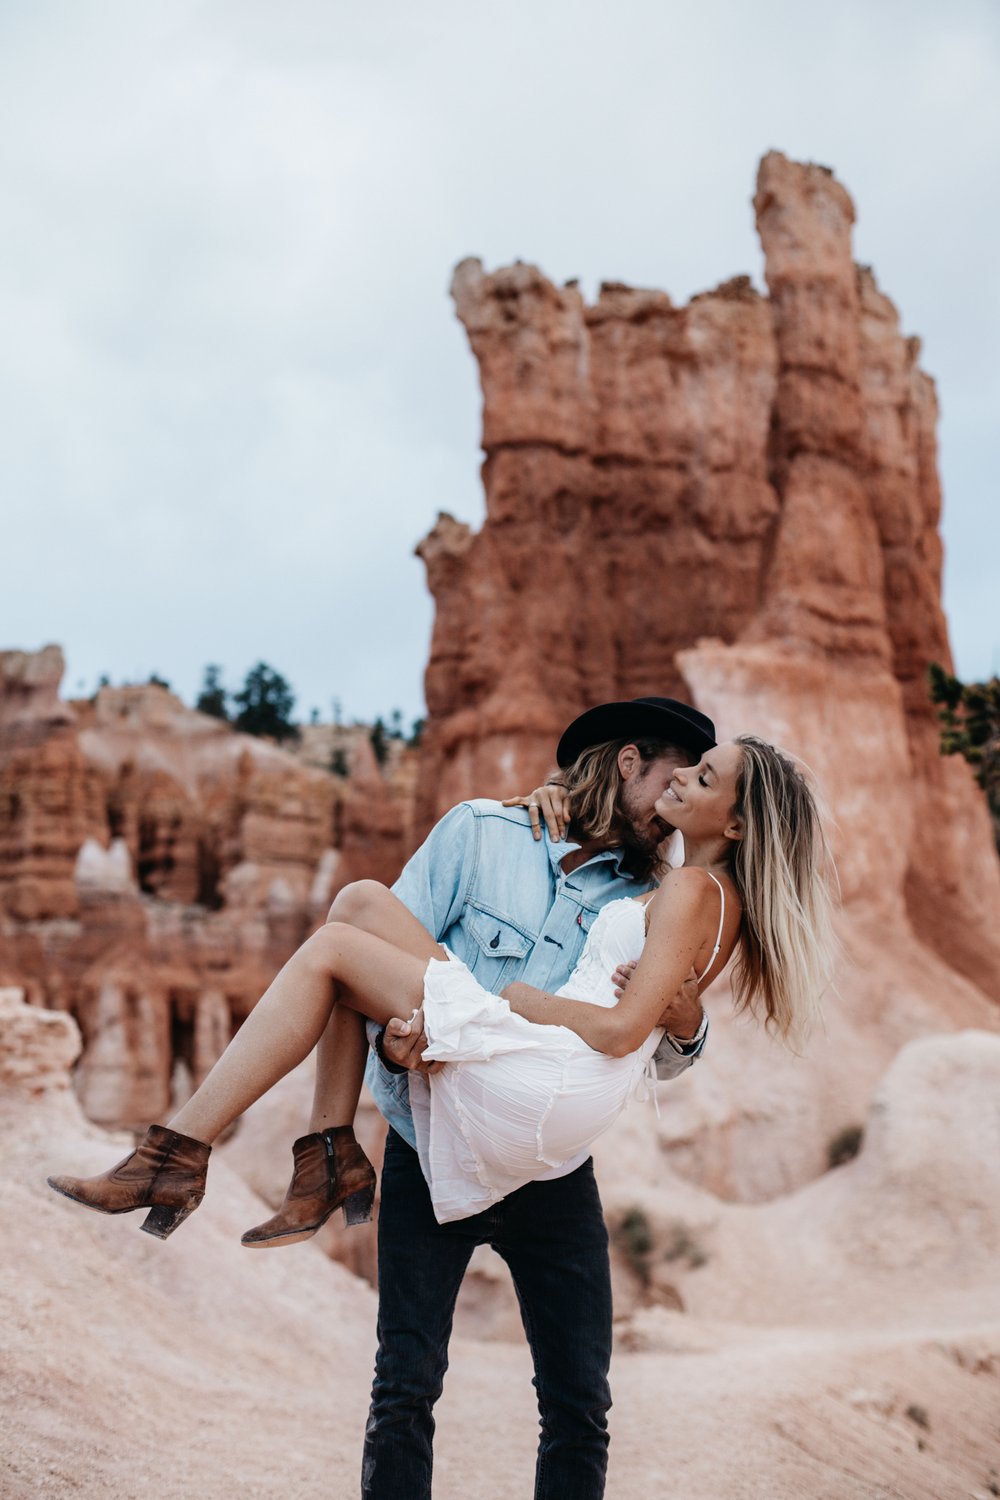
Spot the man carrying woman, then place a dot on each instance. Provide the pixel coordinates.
(516, 909)
(495, 1147)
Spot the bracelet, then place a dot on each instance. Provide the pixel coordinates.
(387, 1062)
(689, 1041)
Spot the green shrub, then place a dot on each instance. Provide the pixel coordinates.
(845, 1145)
(634, 1238)
(970, 727)
(682, 1245)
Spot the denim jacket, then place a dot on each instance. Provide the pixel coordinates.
(501, 902)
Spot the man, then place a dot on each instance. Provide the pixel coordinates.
(513, 908)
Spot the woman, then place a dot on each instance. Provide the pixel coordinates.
(531, 1079)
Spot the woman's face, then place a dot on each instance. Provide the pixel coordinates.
(699, 799)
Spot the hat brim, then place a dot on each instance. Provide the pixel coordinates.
(631, 720)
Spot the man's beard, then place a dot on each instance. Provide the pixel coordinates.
(645, 845)
(643, 838)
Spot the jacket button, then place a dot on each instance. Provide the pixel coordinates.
(496, 941)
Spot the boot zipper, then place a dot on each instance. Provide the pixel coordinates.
(331, 1164)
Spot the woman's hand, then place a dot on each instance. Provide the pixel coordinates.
(549, 802)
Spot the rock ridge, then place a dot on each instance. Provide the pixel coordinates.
(755, 471)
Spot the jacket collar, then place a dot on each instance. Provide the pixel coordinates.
(557, 852)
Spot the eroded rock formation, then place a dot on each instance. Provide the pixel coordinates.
(737, 499)
(734, 501)
(156, 869)
(755, 472)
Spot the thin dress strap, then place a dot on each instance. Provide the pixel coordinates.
(718, 935)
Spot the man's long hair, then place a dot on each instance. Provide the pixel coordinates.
(595, 784)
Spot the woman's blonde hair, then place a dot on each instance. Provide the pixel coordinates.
(782, 869)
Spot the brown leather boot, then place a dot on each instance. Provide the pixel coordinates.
(330, 1169)
(165, 1173)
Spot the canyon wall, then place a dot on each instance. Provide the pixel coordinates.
(734, 501)
(157, 868)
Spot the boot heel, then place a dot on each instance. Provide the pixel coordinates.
(162, 1221)
(358, 1207)
(326, 1163)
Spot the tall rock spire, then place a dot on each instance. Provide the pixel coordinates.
(738, 500)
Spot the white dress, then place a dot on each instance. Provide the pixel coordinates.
(517, 1098)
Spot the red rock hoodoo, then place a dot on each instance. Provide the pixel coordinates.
(157, 868)
(734, 501)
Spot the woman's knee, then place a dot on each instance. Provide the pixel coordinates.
(330, 947)
(356, 902)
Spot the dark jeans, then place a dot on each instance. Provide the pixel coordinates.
(553, 1237)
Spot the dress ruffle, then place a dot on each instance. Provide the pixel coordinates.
(467, 1023)
(483, 1132)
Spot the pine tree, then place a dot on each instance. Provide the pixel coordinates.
(265, 703)
(379, 739)
(213, 696)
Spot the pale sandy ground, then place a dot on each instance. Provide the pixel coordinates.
(133, 1368)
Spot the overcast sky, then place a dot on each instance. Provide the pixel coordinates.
(233, 394)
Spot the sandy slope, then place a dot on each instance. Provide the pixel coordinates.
(193, 1368)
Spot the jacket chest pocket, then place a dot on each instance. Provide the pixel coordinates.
(497, 943)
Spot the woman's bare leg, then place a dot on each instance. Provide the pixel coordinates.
(342, 1050)
(341, 1054)
(364, 972)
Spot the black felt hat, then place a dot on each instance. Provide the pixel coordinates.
(659, 718)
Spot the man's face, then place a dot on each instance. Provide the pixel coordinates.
(643, 785)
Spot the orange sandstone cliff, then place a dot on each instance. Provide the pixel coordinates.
(157, 868)
(736, 501)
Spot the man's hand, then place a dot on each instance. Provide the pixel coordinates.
(404, 1043)
(682, 1015)
(621, 977)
